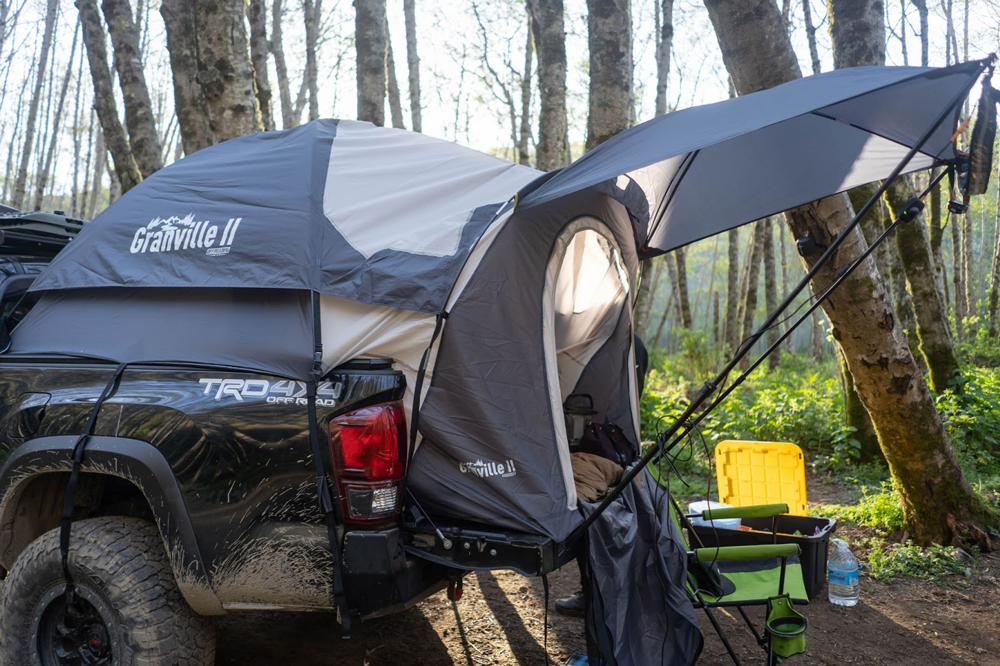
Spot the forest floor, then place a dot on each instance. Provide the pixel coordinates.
(500, 621)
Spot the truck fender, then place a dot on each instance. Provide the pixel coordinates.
(136, 461)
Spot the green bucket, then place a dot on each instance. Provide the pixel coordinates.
(785, 626)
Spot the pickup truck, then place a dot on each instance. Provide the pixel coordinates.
(198, 498)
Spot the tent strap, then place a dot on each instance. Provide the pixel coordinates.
(66, 522)
(710, 386)
(329, 503)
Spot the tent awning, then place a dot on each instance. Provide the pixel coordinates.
(700, 171)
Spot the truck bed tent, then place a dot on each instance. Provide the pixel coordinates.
(520, 284)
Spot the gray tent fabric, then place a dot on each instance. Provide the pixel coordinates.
(263, 330)
(771, 150)
(639, 611)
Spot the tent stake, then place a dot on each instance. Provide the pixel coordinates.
(748, 344)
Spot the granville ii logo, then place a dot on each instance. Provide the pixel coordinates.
(174, 233)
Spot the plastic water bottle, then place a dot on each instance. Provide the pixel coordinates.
(842, 575)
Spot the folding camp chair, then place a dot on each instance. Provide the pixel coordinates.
(737, 577)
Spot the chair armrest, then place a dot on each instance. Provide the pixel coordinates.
(733, 553)
(757, 511)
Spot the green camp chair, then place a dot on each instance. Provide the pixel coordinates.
(768, 576)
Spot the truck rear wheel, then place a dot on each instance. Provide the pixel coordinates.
(129, 610)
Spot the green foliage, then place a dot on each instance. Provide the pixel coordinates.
(937, 563)
(972, 419)
(878, 508)
(981, 352)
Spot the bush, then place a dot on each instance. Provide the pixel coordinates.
(972, 419)
(940, 564)
(880, 509)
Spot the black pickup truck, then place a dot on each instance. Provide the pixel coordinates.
(197, 498)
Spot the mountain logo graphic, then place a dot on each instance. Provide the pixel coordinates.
(178, 234)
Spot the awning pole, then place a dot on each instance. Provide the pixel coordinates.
(745, 347)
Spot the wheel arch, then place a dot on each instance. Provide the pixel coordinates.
(30, 488)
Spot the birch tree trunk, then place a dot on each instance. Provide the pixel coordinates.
(104, 97)
(257, 11)
(369, 40)
(190, 104)
(20, 184)
(995, 275)
(923, 16)
(649, 277)
(392, 84)
(956, 277)
(144, 142)
(665, 12)
(288, 118)
(938, 503)
(43, 174)
(753, 281)
(549, 32)
(311, 10)
(609, 30)
(732, 291)
(524, 130)
(811, 36)
(101, 152)
(412, 63)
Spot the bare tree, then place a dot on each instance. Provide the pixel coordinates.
(923, 16)
(811, 36)
(369, 40)
(43, 174)
(257, 12)
(311, 11)
(288, 117)
(104, 97)
(144, 142)
(732, 333)
(20, 184)
(549, 32)
(664, 42)
(770, 289)
(189, 101)
(752, 285)
(938, 503)
(524, 130)
(684, 301)
(609, 32)
(412, 63)
(392, 84)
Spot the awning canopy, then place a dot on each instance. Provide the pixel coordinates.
(700, 171)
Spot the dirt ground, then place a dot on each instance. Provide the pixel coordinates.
(500, 621)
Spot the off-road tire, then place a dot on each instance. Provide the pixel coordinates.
(120, 563)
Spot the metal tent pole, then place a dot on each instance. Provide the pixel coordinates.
(747, 344)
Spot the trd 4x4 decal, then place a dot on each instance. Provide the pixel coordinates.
(283, 392)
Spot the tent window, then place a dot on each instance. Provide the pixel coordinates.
(590, 291)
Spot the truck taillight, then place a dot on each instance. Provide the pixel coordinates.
(368, 447)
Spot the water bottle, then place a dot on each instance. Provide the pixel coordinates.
(842, 575)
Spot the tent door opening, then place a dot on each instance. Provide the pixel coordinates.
(587, 334)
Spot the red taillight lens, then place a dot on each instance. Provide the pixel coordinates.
(369, 452)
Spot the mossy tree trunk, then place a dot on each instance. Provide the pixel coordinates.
(732, 331)
(938, 503)
(770, 291)
(684, 299)
(936, 343)
(549, 32)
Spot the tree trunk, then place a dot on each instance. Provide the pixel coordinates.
(649, 277)
(753, 281)
(311, 10)
(811, 36)
(104, 97)
(144, 142)
(938, 503)
(392, 84)
(956, 277)
(857, 28)
(609, 29)
(770, 291)
(665, 38)
(224, 69)
(680, 256)
(190, 104)
(43, 174)
(257, 11)
(95, 189)
(937, 234)
(369, 40)
(857, 417)
(413, 63)
(968, 278)
(288, 117)
(715, 318)
(995, 274)
(547, 28)
(928, 307)
(922, 13)
(732, 291)
(524, 130)
(20, 184)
